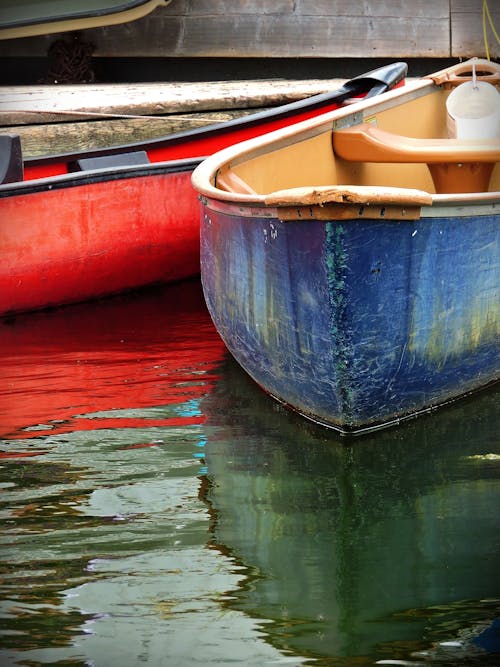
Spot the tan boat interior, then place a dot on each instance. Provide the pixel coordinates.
(376, 153)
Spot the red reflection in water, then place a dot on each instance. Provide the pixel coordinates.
(58, 368)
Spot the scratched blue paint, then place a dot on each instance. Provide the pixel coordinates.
(356, 323)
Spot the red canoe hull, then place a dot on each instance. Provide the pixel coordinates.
(96, 238)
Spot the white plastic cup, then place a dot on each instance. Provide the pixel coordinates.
(473, 111)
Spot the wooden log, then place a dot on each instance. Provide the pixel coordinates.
(71, 137)
(51, 104)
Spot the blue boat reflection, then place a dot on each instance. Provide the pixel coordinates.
(377, 551)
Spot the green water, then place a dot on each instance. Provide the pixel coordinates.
(157, 508)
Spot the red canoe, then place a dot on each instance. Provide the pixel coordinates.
(79, 226)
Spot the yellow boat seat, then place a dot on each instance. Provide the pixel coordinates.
(456, 165)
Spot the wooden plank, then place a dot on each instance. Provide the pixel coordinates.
(307, 36)
(400, 9)
(72, 137)
(224, 7)
(340, 36)
(322, 8)
(282, 35)
(35, 104)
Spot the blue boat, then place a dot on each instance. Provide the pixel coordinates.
(350, 262)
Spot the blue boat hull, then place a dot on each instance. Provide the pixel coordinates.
(356, 324)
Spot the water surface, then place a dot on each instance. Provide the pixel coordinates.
(157, 508)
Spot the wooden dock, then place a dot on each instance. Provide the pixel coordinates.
(53, 119)
(293, 29)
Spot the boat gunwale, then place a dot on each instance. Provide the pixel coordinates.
(102, 175)
(444, 206)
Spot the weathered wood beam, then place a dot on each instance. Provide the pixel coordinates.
(68, 137)
(44, 104)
